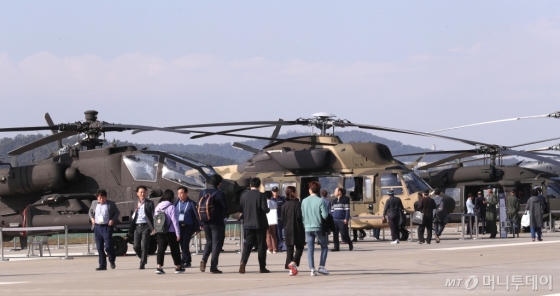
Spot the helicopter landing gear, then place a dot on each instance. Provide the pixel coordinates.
(120, 245)
(403, 234)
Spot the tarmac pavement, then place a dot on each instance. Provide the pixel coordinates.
(452, 267)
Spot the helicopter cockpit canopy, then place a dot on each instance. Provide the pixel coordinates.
(412, 182)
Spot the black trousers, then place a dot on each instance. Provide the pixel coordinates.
(280, 234)
(142, 242)
(340, 227)
(491, 228)
(252, 235)
(426, 225)
(186, 232)
(438, 228)
(215, 235)
(482, 221)
(355, 233)
(291, 257)
(103, 235)
(164, 239)
(394, 225)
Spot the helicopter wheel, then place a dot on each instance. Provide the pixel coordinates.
(120, 245)
(403, 234)
(153, 246)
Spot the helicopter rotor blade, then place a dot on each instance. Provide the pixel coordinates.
(273, 123)
(531, 155)
(436, 152)
(245, 147)
(28, 129)
(230, 131)
(395, 130)
(447, 159)
(552, 115)
(41, 142)
(267, 138)
(275, 132)
(50, 122)
(536, 142)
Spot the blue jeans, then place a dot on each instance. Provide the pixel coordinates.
(538, 230)
(323, 240)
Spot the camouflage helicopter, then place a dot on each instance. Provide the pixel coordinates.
(457, 180)
(369, 168)
(59, 190)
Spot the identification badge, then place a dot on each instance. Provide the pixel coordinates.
(181, 217)
(100, 220)
(133, 215)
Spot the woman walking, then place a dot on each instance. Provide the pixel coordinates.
(535, 209)
(171, 237)
(293, 229)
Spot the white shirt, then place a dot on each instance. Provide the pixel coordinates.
(272, 204)
(470, 207)
(101, 214)
(141, 215)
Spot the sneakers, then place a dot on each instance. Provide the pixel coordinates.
(313, 272)
(274, 252)
(268, 252)
(293, 268)
(179, 270)
(374, 238)
(395, 242)
(160, 271)
(202, 265)
(323, 270)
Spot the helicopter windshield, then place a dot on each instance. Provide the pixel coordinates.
(208, 170)
(182, 174)
(414, 183)
(142, 167)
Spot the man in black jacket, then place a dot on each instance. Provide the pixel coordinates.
(391, 212)
(427, 206)
(253, 208)
(340, 211)
(480, 204)
(215, 228)
(141, 225)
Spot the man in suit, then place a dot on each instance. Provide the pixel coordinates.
(142, 224)
(104, 215)
(427, 206)
(253, 208)
(185, 211)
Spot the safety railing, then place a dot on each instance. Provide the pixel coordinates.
(198, 238)
(18, 229)
(473, 228)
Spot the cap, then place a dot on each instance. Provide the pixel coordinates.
(391, 191)
(274, 189)
(513, 190)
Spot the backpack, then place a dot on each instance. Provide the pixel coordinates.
(206, 206)
(441, 214)
(160, 220)
(545, 207)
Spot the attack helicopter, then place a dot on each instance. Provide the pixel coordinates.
(59, 189)
(368, 168)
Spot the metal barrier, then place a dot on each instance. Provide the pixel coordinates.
(241, 234)
(88, 246)
(471, 225)
(198, 238)
(18, 229)
(551, 221)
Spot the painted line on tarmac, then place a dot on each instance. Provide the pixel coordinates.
(11, 283)
(494, 246)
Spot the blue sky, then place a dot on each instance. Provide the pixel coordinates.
(420, 65)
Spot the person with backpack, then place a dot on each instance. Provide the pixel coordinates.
(141, 225)
(166, 229)
(187, 217)
(211, 207)
(253, 207)
(440, 215)
(535, 208)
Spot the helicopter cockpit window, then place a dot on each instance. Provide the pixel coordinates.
(142, 167)
(182, 174)
(268, 186)
(455, 193)
(553, 191)
(286, 184)
(369, 189)
(397, 190)
(209, 171)
(390, 180)
(414, 183)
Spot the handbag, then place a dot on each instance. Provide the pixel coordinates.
(402, 218)
(418, 217)
(526, 219)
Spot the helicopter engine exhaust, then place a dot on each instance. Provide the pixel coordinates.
(462, 174)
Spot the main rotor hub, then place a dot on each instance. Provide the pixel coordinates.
(91, 115)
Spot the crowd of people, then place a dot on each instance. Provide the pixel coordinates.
(273, 223)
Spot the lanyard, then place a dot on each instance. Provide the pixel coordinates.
(186, 206)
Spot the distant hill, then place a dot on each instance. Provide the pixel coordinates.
(213, 154)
